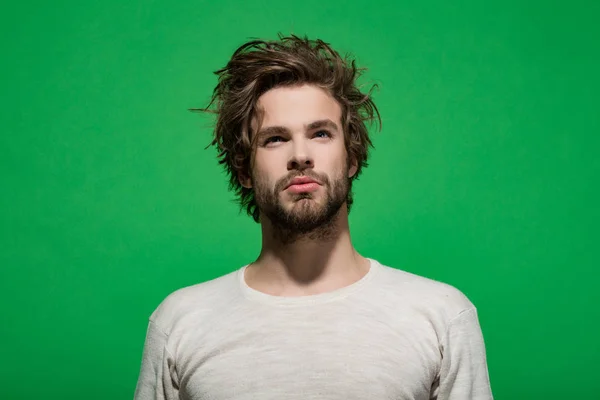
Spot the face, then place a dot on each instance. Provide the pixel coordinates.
(300, 140)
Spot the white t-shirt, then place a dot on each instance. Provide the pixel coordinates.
(390, 335)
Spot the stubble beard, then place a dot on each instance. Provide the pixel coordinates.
(306, 219)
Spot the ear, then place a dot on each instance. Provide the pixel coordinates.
(245, 180)
(353, 168)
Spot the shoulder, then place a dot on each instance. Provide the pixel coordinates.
(420, 292)
(201, 298)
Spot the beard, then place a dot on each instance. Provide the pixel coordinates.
(307, 217)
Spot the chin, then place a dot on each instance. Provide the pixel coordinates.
(301, 203)
(304, 198)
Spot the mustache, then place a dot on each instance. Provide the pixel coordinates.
(284, 182)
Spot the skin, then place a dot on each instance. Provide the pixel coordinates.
(306, 244)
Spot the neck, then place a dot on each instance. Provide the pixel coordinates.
(316, 262)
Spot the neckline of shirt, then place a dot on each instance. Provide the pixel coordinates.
(320, 298)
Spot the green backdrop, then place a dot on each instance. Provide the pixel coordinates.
(485, 175)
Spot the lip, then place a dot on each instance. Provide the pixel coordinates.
(301, 181)
(303, 188)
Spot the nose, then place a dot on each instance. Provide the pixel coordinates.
(300, 159)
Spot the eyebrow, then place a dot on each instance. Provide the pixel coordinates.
(322, 123)
(282, 130)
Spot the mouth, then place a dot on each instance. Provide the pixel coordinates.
(302, 185)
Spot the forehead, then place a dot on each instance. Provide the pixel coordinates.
(297, 106)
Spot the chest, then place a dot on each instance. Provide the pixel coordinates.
(342, 354)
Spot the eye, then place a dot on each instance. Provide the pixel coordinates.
(323, 134)
(272, 139)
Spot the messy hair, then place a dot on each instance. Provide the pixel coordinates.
(258, 66)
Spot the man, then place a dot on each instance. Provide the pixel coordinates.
(311, 318)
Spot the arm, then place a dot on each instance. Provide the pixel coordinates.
(157, 379)
(463, 372)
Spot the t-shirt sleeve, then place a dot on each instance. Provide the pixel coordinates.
(157, 379)
(464, 373)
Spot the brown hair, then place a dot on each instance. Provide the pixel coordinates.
(258, 66)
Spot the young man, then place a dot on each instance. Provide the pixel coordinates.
(311, 318)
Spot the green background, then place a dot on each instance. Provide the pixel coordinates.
(485, 175)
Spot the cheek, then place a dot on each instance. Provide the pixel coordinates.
(333, 161)
(269, 162)
(271, 166)
(264, 177)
